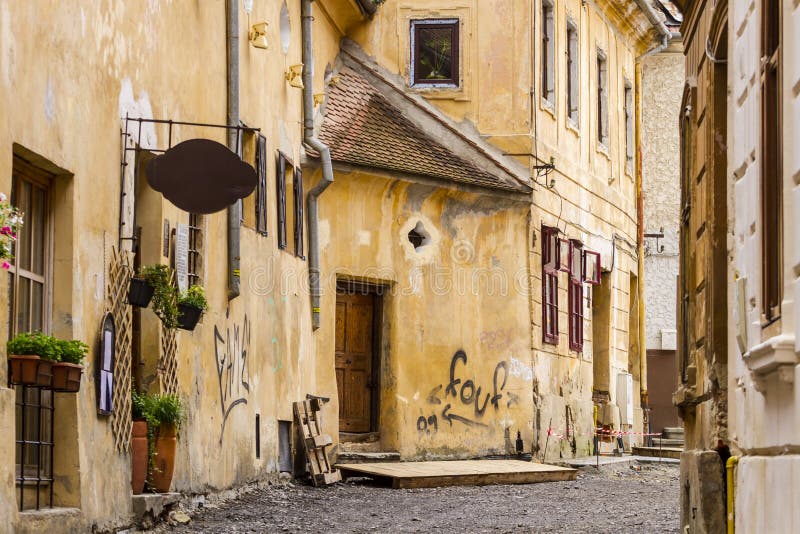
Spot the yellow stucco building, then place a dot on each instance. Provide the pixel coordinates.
(444, 239)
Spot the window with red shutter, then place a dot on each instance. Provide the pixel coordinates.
(550, 244)
(575, 295)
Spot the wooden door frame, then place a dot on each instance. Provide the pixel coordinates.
(376, 291)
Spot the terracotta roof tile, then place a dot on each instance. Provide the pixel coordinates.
(362, 127)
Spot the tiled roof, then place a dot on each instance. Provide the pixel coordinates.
(361, 127)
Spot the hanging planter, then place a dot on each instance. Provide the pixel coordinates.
(164, 293)
(140, 292)
(191, 305)
(31, 357)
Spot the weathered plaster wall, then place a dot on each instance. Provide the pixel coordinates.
(67, 91)
(435, 403)
(662, 82)
(594, 198)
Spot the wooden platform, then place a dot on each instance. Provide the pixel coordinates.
(458, 473)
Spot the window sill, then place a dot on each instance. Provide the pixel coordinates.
(549, 107)
(602, 148)
(775, 355)
(447, 92)
(573, 127)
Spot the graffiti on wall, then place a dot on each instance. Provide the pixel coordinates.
(464, 401)
(230, 351)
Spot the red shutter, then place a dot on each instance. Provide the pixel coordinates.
(550, 284)
(591, 267)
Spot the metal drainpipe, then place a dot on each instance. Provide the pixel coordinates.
(325, 156)
(235, 209)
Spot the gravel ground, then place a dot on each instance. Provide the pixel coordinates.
(622, 500)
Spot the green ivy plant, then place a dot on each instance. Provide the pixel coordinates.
(165, 296)
(195, 297)
(35, 343)
(72, 351)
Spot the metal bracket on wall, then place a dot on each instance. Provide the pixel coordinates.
(132, 135)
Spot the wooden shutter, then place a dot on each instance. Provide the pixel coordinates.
(261, 191)
(591, 267)
(297, 185)
(280, 182)
(550, 285)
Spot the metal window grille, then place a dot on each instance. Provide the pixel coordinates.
(297, 187)
(195, 268)
(280, 182)
(261, 192)
(34, 445)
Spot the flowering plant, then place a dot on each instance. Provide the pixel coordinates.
(10, 221)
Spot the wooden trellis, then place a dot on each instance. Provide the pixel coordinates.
(168, 359)
(120, 269)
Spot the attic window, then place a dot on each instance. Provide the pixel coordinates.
(434, 53)
(419, 236)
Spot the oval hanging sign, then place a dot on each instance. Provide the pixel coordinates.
(201, 176)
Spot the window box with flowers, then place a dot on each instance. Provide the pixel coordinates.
(191, 305)
(31, 356)
(67, 371)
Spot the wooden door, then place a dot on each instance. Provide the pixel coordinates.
(354, 350)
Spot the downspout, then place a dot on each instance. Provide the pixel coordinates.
(730, 467)
(235, 209)
(325, 157)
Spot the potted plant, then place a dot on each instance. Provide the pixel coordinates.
(191, 305)
(164, 295)
(68, 369)
(165, 414)
(31, 356)
(140, 451)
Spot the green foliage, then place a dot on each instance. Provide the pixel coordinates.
(165, 296)
(72, 351)
(158, 410)
(35, 343)
(195, 296)
(138, 405)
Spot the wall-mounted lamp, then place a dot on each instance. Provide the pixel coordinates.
(258, 35)
(295, 76)
(319, 98)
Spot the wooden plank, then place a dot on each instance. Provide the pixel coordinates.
(463, 472)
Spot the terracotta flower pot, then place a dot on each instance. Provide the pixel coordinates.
(138, 456)
(163, 459)
(30, 370)
(67, 377)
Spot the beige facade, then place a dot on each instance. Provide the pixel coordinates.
(740, 391)
(461, 368)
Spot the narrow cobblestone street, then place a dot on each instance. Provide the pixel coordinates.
(623, 500)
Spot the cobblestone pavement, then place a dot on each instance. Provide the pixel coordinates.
(622, 500)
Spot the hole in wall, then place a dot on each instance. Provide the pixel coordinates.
(419, 236)
(286, 28)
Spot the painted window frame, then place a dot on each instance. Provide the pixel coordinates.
(601, 67)
(575, 295)
(280, 189)
(261, 188)
(194, 264)
(452, 23)
(297, 189)
(573, 58)
(630, 149)
(548, 58)
(590, 257)
(550, 284)
(771, 165)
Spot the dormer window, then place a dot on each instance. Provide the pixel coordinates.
(434, 53)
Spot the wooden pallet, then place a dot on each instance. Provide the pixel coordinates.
(315, 443)
(459, 473)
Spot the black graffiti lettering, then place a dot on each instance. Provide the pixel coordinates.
(433, 396)
(433, 422)
(497, 395)
(230, 353)
(513, 399)
(479, 410)
(450, 417)
(466, 398)
(451, 387)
